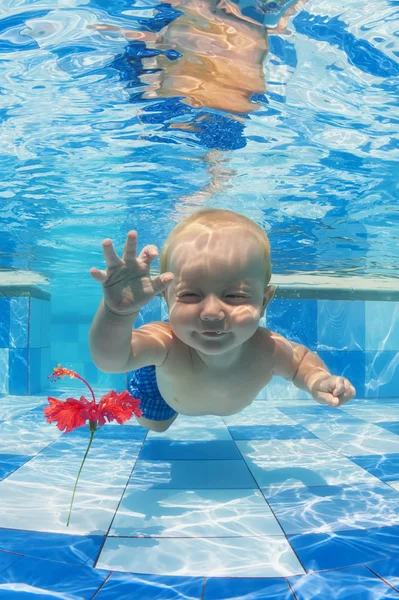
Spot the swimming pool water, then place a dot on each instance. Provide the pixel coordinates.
(287, 500)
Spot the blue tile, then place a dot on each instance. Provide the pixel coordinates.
(385, 466)
(248, 588)
(193, 474)
(294, 319)
(391, 426)
(340, 325)
(349, 364)
(334, 508)
(35, 358)
(91, 373)
(19, 322)
(151, 587)
(319, 551)
(71, 332)
(112, 432)
(186, 450)
(60, 547)
(6, 560)
(35, 323)
(10, 463)
(388, 569)
(48, 576)
(356, 583)
(382, 374)
(18, 361)
(270, 432)
(4, 322)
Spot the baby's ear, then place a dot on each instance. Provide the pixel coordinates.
(268, 296)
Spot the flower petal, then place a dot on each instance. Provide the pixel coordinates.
(69, 414)
(119, 407)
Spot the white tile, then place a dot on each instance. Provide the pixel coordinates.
(259, 413)
(277, 448)
(194, 513)
(340, 325)
(14, 406)
(382, 326)
(266, 556)
(281, 389)
(19, 315)
(373, 413)
(21, 437)
(37, 496)
(4, 370)
(394, 484)
(356, 440)
(297, 471)
(194, 428)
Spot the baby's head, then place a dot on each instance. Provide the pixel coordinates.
(221, 263)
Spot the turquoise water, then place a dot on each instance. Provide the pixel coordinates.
(288, 500)
(84, 156)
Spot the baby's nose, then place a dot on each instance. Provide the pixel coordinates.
(212, 309)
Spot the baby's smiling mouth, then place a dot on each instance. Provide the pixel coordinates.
(214, 333)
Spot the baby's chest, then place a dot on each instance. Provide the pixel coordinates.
(200, 392)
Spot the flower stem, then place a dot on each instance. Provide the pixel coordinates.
(84, 381)
(80, 470)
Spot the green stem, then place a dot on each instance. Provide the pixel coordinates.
(80, 470)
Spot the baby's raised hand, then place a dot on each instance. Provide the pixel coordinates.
(333, 390)
(126, 282)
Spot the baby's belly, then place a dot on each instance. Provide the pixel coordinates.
(190, 403)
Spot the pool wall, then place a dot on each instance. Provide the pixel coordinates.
(357, 338)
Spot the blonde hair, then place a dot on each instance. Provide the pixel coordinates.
(213, 218)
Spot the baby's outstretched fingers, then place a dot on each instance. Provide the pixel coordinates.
(98, 275)
(110, 256)
(130, 249)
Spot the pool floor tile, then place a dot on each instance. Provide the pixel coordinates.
(335, 508)
(388, 569)
(76, 549)
(259, 412)
(192, 474)
(10, 463)
(270, 432)
(297, 471)
(356, 440)
(194, 513)
(126, 586)
(42, 579)
(385, 466)
(188, 450)
(322, 551)
(355, 583)
(248, 588)
(266, 556)
(6, 560)
(203, 428)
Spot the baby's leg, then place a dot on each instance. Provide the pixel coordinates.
(157, 426)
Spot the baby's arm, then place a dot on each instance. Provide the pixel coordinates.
(308, 372)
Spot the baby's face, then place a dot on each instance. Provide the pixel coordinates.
(218, 286)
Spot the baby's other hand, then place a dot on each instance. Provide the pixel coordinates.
(333, 390)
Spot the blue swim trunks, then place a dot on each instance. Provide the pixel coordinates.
(143, 385)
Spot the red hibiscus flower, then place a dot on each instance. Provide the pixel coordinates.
(71, 413)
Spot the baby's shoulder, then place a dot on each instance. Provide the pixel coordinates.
(273, 343)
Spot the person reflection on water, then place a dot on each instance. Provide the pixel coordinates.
(204, 58)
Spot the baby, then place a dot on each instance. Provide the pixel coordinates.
(212, 357)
